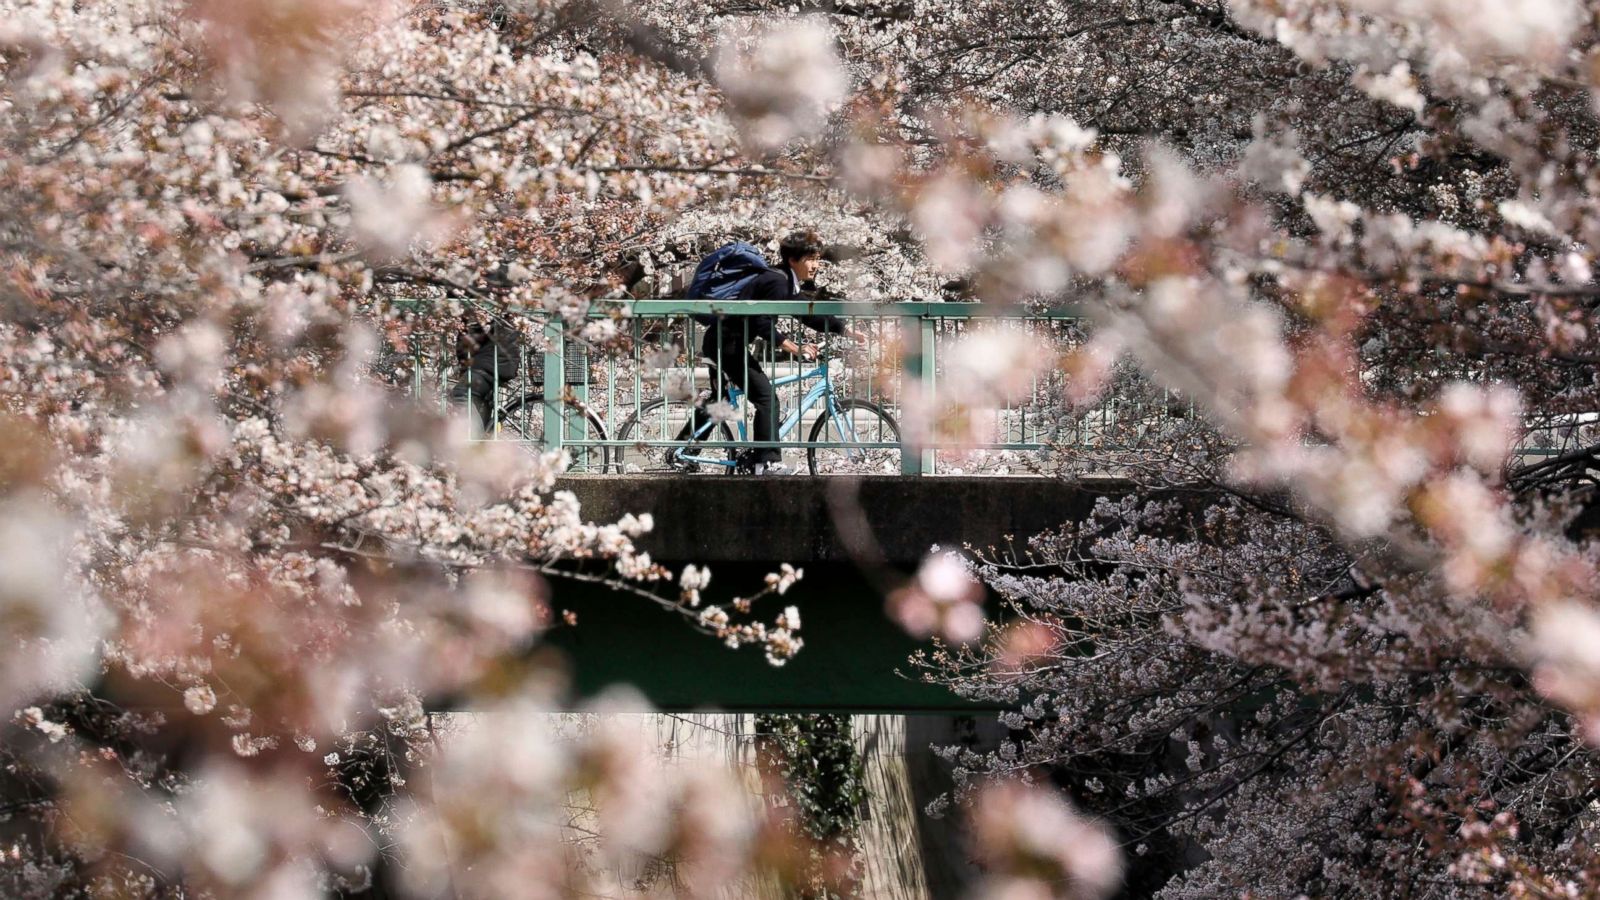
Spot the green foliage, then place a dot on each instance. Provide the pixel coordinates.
(825, 781)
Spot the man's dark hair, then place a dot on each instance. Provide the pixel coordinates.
(800, 244)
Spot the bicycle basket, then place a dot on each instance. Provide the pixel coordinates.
(575, 362)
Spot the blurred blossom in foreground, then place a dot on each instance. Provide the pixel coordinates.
(283, 52)
(1534, 31)
(1273, 161)
(949, 215)
(1484, 423)
(386, 217)
(256, 835)
(1023, 645)
(943, 599)
(1566, 659)
(781, 81)
(1036, 847)
(51, 633)
(1088, 368)
(511, 794)
(986, 371)
(493, 827)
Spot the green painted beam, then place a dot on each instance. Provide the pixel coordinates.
(856, 539)
(854, 659)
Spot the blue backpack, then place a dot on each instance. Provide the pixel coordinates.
(723, 275)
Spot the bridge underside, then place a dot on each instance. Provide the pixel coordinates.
(856, 539)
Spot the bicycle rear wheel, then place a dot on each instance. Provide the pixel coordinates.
(669, 420)
(855, 421)
(522, 420)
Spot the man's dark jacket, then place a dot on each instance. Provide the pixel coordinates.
(492, 349)
(733, 337)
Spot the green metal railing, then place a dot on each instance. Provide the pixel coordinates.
(624, 369)
(612, 376)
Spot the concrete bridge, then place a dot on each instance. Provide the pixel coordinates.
(625, 422)
(856, 538)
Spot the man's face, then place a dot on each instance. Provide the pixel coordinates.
(805, 268)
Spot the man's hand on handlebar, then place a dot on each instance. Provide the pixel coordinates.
(807, 352)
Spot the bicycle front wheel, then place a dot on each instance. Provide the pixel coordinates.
(522, 420)
(670, 420)
(850, 422)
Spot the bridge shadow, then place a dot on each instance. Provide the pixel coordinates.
(853, 551)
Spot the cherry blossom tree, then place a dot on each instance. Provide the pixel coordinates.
(1357, 238)
(237, 563)
(1342, 644)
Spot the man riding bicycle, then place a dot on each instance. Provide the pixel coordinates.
(727, 343)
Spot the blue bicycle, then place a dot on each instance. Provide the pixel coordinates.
(859, 436)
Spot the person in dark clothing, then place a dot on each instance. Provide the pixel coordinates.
(727, 340)
(489, 354)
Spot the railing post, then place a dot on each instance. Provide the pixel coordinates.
(917, 332)
(574, 424)
(580, 392)
(555, 384)
(445, 368)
